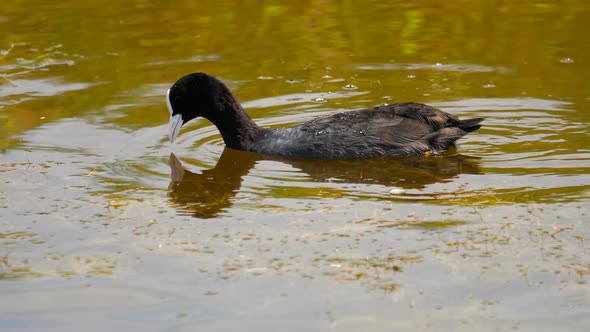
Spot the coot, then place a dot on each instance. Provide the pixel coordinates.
(388, 130)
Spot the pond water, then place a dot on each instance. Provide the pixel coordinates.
(105, 225)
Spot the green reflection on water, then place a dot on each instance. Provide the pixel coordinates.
(123, 46)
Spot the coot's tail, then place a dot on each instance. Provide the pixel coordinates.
(470, 125)
(444, 138)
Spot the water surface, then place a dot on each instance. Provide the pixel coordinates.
(105, 225)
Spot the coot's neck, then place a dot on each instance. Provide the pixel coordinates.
(235, 125)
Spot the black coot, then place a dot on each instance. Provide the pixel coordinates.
(389, 130)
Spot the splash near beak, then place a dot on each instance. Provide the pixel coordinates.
(175, 120)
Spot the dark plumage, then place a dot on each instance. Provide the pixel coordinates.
(389, 130)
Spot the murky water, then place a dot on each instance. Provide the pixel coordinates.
(104, 225)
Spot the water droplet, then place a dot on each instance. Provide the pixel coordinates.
(567, 60)
(319, 100)
(350, 87)
(489, 86)
(411, 76)
(42, 118)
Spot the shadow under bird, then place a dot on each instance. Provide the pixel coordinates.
(402, 129)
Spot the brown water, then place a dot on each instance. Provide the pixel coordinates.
(95, 236)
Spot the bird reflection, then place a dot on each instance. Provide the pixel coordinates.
(211, 192)
(206, 194)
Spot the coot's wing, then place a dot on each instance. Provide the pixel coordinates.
(396, 124)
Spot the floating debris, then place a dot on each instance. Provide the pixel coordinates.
(567, 60)
(350, 87)
(397, 191)
(319, 100)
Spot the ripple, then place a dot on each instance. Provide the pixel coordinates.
(511, 104)
(40, 88)
(462, 67)
(203, 141)
(299, 98)
(196, 58)
(20, 61)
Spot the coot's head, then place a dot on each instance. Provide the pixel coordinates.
(195, 95)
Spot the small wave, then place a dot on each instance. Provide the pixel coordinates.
(501, 104)
(453, 67)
